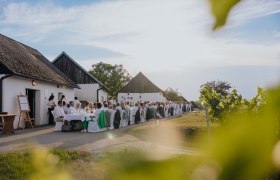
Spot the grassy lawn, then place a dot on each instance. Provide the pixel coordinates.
(190, 120)
(184, 130)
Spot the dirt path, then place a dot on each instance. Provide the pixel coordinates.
(90, 142)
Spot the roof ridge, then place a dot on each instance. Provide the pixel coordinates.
(25, 61)
(71, 59)
(141, 76)
(19, 42)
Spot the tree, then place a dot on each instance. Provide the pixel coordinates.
(220, 98)
(114, 77)
(258, 102)
(173, 95)
(221, 87)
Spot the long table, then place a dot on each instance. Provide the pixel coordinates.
(8, 123)
(81, 117)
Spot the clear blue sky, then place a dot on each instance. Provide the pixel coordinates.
(168, 40)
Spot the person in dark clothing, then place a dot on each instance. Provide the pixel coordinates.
(108, 115)
(137, 116)
(149, 114)
(171, 110)
(184, 109)
(51, 105)
(117, 119)
(160, 110)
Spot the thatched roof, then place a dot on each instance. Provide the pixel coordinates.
(184, 99)
(140, 84)
(24, 61)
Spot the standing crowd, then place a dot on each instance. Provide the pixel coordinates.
(111, 115)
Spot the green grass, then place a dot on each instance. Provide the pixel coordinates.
(15, 165)
(68, 156)
(190, 127)
(18, 165)
(190, 120)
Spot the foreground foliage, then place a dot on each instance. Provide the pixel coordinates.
(220, 10)
(223, 101)
(38, 163)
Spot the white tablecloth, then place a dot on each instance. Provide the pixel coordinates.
(71, 117)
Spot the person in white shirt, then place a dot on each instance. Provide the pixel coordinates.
(154, 110)
(118, 107)
(127, 112)
(58, 112)
(76, 101)
(190, 107)
(65, 108)
(166, 108)
(79, 108)
(142, 113)
(89, 109)
(111, 101)
(98, 110)
(72, 108)
(112, 118)
(127, 106)
(132, 113)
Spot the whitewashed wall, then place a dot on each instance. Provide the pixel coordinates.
(151, 97)
(88, 92)
(103, 95)
(13, 86)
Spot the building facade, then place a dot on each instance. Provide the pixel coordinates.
(25, 71)
(91, 88)
(141, 89)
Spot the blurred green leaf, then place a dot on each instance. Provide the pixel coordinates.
(242, 148)
(137, 166)
(220, 10)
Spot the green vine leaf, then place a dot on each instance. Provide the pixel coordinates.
(220, 10)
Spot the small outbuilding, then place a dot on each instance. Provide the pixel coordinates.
(91, 88)
(141, 89)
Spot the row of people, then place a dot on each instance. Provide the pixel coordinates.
(115, 116)
(130, 113)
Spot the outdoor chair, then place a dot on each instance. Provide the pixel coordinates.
(58, 124)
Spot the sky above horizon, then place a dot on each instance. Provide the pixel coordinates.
(170, 41)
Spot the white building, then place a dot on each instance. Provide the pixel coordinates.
(91, 88)
(24, 70)
(141, 89)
